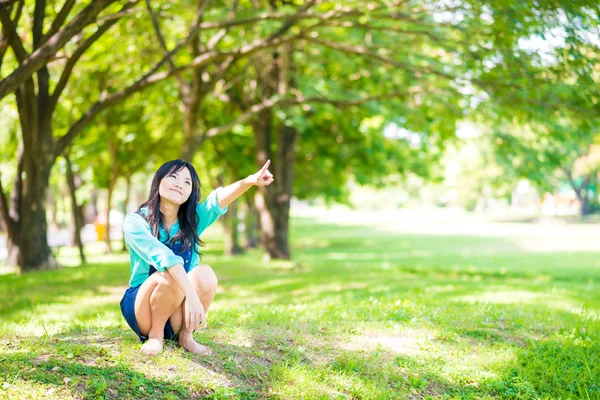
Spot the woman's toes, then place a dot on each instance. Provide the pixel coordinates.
(152, 346)
(188, 343)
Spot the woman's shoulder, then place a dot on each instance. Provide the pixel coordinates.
(136, 218)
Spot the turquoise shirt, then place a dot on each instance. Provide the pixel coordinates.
(145, 249)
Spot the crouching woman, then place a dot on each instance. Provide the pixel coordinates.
(169, 291)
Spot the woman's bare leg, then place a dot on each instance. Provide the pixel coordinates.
(205, 283)
(158, 297)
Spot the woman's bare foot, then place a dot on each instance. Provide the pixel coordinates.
(186, 340)
(153, 346)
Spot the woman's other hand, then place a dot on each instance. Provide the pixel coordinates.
(194, 313)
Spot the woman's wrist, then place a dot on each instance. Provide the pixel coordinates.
(247, 181)
(190, 292)
(182, 279)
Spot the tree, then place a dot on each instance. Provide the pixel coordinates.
(545, 132)
(37, 99)
(550, 152)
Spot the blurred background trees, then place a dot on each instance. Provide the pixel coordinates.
(95, 95)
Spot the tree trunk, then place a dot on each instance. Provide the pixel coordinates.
(111, 187)
(265, 195)
(273, 201)
(76, 210)
(114, 176)
(583, 196)
(12, 258)
(33, 246)
(53, 200)
(251, 224)
(38, 158)
(286, 153)
(230, 223)
(125, 204)
(16, 199)
(190, 126)
(91, 209)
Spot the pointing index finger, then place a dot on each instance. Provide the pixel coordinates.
(265, 166)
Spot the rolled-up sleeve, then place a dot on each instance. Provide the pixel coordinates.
(209, 211)
(139, 239)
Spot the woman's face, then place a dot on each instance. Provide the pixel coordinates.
(176, 187)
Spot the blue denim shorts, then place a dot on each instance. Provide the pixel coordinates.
(128, 311)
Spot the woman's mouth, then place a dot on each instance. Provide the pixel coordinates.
(175, 190)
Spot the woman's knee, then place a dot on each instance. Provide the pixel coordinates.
(205, 278)
(166, 282)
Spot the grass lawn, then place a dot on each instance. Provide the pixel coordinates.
(361, 313)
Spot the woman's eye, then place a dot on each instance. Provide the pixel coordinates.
(188, 183)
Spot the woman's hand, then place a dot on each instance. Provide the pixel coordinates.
(194, 313)
(262, 177)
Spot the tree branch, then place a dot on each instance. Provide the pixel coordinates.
(153, 76)
(43, 76)
(277, 100)
(11, 35)
(306, 14)
(3, 48)
(370, 27)
(217, 37)
(39, 57)
(59, 20)
(575, 187)
(150, 78)
(3, 40)
(39, 13)
(205, 87)
(18, 13)
(120, 14)
(7, 3)
(163, 44)
(267, 17)
(81, 49)
(364, 51)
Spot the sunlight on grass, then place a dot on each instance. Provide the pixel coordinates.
(299, 382)
(554, 300)
(408, 343)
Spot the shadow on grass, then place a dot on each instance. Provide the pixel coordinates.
(100, 366)
(92, 381)
(22, 293)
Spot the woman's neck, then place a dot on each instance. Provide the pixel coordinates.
(169, 213)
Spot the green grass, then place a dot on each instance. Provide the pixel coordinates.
(360, 313)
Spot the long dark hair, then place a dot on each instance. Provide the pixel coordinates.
(188, 219)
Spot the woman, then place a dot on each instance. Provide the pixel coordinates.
(169, 291)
